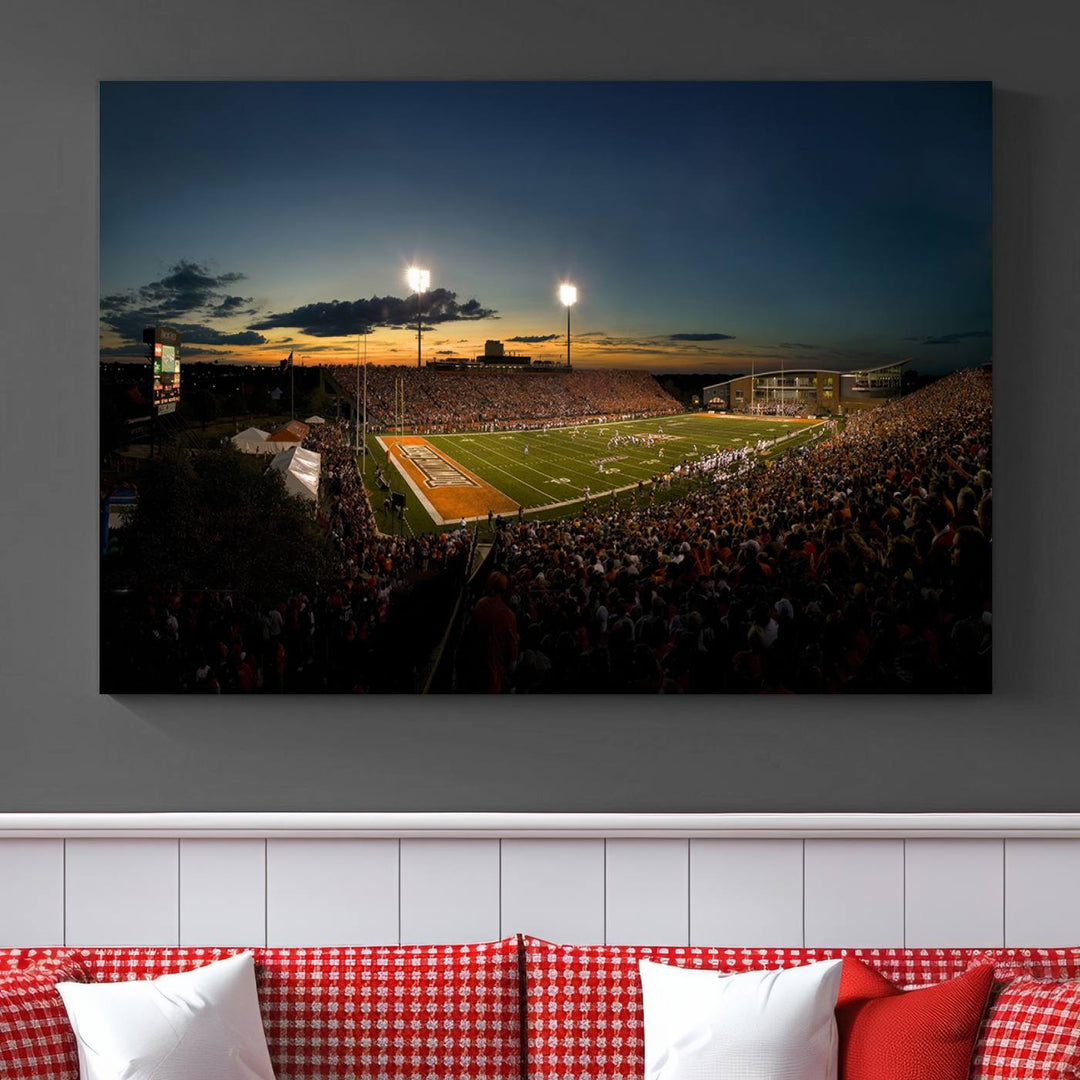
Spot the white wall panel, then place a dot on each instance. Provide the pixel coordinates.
(449, 891)
(647, 892)
(977, 884)
(122, 892)
(854, 892)
(31, 892)
(554, 889)
(954, 893)
(222, 892)
(332, 892)
(1042, 883)
(746, 892)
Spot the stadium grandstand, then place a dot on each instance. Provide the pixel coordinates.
(454, 400)
(806, 391)
(859, 561)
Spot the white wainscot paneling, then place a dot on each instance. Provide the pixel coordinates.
(746, 892)
(31, 892)
(222, 892)
(854, 893)
(1042, 883)
(954, 893)
(122, 892)
(449, 891)
(647, 892)
(554, 889)
(332, 892)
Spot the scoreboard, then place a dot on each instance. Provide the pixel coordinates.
(164, 347)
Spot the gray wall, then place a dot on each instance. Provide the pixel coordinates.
(64, 747)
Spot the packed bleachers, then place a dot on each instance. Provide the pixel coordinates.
(861, 563)
(444, 401)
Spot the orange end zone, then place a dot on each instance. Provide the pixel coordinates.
(447, 490)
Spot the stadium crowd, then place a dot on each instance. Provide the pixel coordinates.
(446, 401)
(861, 563)
(331, 637)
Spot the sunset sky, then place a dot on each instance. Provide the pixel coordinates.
(705, 224)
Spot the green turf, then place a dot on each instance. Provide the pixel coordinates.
(562, 462)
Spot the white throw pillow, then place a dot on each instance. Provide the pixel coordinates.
(756, 1025)
(197, 1025)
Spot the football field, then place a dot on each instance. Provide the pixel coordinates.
(548, 473)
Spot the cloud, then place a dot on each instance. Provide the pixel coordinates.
(233, 305)
(341, 318)
(189, 290)
(535, 339)
(701, 337)
(193, 334)
(795, 345)
(950, 339)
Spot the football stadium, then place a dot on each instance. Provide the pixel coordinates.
(702, 407)
(582, 531)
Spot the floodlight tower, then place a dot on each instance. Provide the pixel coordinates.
(419, 281)
(568, 295)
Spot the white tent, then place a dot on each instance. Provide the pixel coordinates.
(315, 420)
(301, 469)
(252, 440)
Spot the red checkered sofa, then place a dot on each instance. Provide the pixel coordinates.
(445, 1012)
(584, 1018)
(527, 1009)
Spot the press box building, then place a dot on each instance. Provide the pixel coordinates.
(815, 390)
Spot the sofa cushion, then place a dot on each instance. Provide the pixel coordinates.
(36, 1040)
(388, 1012)
(753, 1025)
(1031, 1032)
(1036, 963)
(203, 1023)
(583, 1002)
(927, 1033)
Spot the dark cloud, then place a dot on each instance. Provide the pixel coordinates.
(233, 305)
(535, 339)
(193, 334)
(341, 318)
(188, 289)
(795, 345)
(951, 339)
(701, 337)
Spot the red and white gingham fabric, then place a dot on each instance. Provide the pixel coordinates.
(1036, 963)
(1031, 1032)
(584, 1015)
(441, 1012)
(36, 1039)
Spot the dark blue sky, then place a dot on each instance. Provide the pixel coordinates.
(831, 223)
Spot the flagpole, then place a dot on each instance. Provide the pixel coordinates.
(356, 407)
(292, 388)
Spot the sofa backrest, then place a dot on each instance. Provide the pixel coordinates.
(584, 1018)
(353, 1013)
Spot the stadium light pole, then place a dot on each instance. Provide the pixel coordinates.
(568, 295)
(419, 281)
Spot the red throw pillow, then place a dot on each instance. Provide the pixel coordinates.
(36, 1038)
(1032, 1032)
(891, 1034)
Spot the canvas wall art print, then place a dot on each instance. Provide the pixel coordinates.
(545, 388)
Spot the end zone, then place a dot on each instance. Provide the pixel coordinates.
(446, 490)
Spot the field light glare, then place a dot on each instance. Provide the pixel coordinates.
(418, 279)
(568, 294)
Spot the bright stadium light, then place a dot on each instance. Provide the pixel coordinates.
(568, 295)
(419, 281)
